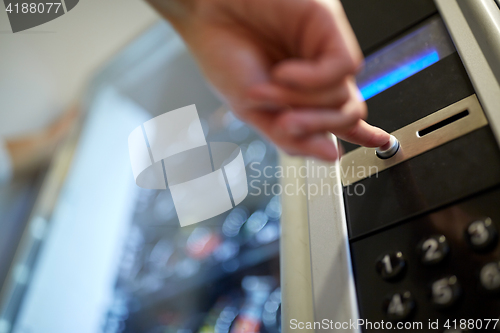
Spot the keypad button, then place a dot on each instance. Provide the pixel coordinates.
(445, 292)
(391, 266)
(399, 306)
(433, 250)
(490, 277)
(482, 235)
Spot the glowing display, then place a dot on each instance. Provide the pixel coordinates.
(397, 75)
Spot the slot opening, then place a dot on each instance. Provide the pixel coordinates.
(443, 123)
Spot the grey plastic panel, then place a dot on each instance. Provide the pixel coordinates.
(334, 294)
(481, 57)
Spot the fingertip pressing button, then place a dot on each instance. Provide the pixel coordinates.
(389, 152)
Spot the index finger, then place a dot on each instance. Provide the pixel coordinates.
(365, 135)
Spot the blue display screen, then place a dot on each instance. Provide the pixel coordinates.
(403, 71)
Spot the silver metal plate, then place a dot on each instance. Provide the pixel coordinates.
(363, 162)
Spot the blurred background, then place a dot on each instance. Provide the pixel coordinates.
(82, 248)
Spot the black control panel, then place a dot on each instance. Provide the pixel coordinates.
(440, 266)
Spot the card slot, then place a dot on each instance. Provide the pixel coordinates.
(443, 123)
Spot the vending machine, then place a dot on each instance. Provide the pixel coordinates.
(412, 240)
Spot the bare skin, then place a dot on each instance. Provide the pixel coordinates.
(284, 66)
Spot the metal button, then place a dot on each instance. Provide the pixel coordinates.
(391, 266)
(482, 235)
(389, 152)
(433, 250)
(399, 306)
(490, 277)
(445, 292)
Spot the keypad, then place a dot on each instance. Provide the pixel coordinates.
(443, 265)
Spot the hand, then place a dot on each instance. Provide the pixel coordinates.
(284, 66)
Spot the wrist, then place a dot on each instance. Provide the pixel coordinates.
(177, 12)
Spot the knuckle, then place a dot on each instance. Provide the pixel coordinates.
(352, 63)
(351, 132)
(358, 61)
(354, 114)
(292, 124)
(285, 122)
(343, 94)
(362, 110)
(248, 92)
